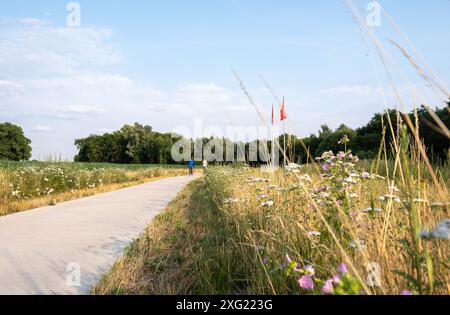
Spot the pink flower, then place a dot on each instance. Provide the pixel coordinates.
(326, 167)
(306, 283)
(341, 155)
(406, 292)
(328, 287)
(310, 270)
(288, 259)
(336, 279)
(342, 269)
(297, 269)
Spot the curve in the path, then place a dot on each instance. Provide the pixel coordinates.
(42, 250)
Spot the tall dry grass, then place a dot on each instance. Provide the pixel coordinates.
(230, 232)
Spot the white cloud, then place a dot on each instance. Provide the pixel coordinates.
(32, 21)
(351, 89)
(159, 108)
(42, 128)
(9, 85)
(105, 130)
(84, 110)
(206, 92)
(68, 81)
(47, 50)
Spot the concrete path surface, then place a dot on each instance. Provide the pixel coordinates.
(66, 248)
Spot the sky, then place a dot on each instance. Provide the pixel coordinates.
(167, 64)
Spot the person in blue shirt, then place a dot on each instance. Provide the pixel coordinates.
(191, 167)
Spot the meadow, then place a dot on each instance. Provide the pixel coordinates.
(27, 185)
(335, 226)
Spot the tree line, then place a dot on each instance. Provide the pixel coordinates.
(138, 144)
(14, 146)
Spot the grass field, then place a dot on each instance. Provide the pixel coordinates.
(336, 227)
(27, 185)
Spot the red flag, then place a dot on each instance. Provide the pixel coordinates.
(283, 112)
(273, 115)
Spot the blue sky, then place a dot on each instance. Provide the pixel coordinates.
(167, 63)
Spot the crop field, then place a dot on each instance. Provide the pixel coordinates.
(24, 185)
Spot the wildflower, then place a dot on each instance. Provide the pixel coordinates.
(365, 175)
(344, 140)
(393, 188)
(298, 269)
(341, 155)
(353, 196)
(231, 200)
(358, 244)
(306, 283)
(263, 196)
(349, 180)
(441, 231)
(269, 203)
(342, 269)
(326, 167)
(309, 270)
(314, 234)
(288, 259)
(292, 167)
(406, 293)
(336, 279)
(306, 177)
(370, 210)
(328, 287)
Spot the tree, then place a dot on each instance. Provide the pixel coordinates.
(14, 146)
(329, 139)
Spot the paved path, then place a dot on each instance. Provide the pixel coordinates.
(41, 250)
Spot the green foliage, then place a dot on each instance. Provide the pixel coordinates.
(14, 146)
(366, 140)
(137, 144)
(134, 144)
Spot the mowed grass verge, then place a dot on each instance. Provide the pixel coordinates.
(171, 254)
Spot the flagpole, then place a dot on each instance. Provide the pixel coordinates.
(272, 138)
(285, 153)
(284, 142)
